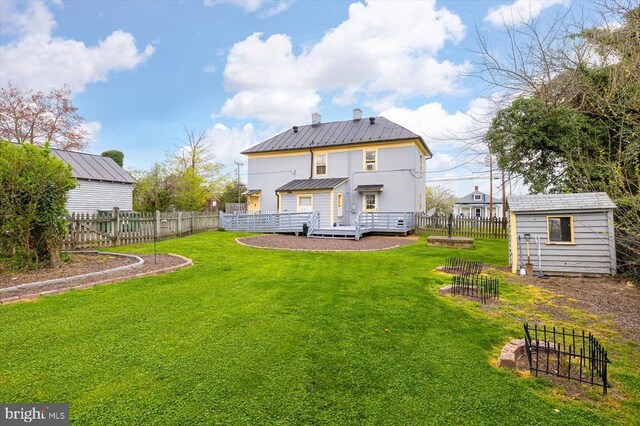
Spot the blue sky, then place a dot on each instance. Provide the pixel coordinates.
(245, 70)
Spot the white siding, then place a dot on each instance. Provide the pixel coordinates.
(90, 196)
(590, 254)
(321, 204)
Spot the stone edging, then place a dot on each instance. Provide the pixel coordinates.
(511, 353)
(317, 251)
(31, 296)
(139, 262)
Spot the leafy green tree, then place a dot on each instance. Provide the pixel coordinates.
(575, 122)
(115, 155)
(152, 190)
(33, 196)
(230, 194)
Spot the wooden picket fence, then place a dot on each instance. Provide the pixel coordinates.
(110, 229)
(496, 228)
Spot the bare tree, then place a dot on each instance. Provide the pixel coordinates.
(36, 118)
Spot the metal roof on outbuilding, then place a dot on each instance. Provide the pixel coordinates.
(337, 133)
(559, 202)
(311, 184)
(93, 167)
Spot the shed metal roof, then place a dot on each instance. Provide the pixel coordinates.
(557, 202)
(93, 167)
(337, 133)
(311, 184)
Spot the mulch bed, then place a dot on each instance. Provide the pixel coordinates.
(291, 242)
(611, 297)
(78, 263)
(148, 268)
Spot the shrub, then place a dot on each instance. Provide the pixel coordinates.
(33, 195)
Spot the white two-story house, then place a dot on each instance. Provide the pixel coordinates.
(339, 169)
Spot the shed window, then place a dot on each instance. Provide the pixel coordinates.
(321, 164)
(560, 229)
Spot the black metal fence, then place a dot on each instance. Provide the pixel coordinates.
(463, 267)
(571, 355)
(477, 286)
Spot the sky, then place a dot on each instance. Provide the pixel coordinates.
(243, 71)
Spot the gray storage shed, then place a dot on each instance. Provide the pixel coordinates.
(575, 230)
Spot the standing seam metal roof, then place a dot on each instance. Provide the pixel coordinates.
(93, 167)
(556, 202)
(337, 133)
(310, 184)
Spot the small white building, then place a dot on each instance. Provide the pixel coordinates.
(575, 232)
(101, 184)
(477, 205)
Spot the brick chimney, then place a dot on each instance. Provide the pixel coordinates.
(357, 114)
(476, 187)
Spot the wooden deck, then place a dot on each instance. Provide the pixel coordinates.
(397, 223)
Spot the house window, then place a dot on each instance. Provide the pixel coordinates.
(371, 160)
(370, 202)
(478, 212)
(321, 164)
(560, 229)
(477, 198)
(305, 203)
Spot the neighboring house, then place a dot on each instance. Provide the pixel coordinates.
(575, 230)
(101, 184)
(339, 169)
(476, 204)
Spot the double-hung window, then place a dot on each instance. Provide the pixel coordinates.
(560, 229)
(370, 160)
(321, 164)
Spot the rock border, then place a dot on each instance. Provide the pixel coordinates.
(511, 354)
(139, 262)
(32, 296)
(317, 251)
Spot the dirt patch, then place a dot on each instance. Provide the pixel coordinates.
(165, 263)
(615, 298)
(291, 242)
(78, 263)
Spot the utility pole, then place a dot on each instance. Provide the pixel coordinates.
(504, 196)
(490, 185)
(238, 165)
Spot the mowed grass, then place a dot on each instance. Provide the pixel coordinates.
(251, 336)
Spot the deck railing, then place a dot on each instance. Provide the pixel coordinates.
(314, 222)
(269, 222)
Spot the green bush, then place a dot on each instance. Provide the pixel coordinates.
(33, 196)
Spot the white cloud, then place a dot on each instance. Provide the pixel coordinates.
(520, 11)
(381, 50)
(267, 8)
(210, 69)
(37, 60)
(439, 128)
(93, 130)
(226, 143)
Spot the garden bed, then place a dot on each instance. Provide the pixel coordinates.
(291, 242)
(84, 264)
(616, 298)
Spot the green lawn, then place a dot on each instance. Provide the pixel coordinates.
(250, 336)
